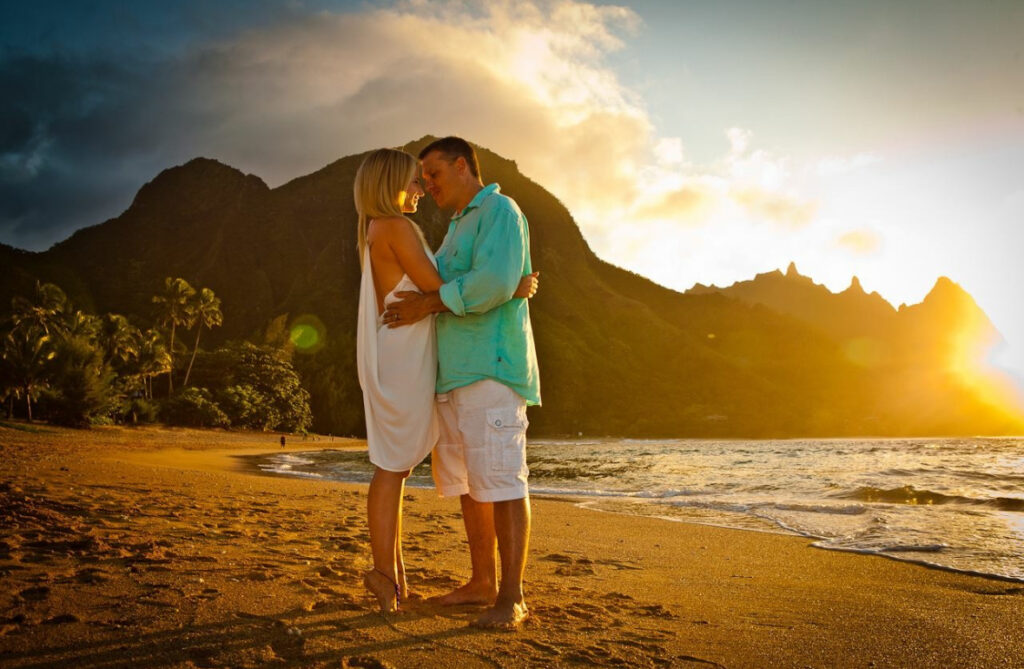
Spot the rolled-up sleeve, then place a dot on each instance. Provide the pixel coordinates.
(499, 257)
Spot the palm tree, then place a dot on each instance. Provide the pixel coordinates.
(173, 309)
(26, 351)
(153, 360)
(206, 314)
(81, 324)
(48, 311)
(120, 340)
(29, 343)
(8, 387)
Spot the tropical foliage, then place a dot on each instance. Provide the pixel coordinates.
(74, 368)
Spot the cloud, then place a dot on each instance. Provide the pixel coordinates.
(688, 204)
(779, 208)
(862, 242)
(525, 79)
(529, 80)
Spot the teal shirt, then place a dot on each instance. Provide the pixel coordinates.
(487, 335)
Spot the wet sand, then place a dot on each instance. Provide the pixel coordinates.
(162, 547)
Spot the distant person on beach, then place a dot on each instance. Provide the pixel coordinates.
(397, 366)
(487, 373)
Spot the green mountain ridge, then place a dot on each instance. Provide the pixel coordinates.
(619, 354)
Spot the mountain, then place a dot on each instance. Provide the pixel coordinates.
(929, 357)
(777, 356)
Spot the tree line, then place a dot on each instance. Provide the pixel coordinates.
(68, 367)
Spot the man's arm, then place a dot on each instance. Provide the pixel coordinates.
(412, 306)
(499, 260)
(494, 276)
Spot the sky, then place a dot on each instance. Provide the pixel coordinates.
(692, 141)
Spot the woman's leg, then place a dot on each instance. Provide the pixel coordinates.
(383, 510)
(403, 584)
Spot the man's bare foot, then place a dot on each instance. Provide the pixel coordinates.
(503, 615)
(383, 588)
(470, 593)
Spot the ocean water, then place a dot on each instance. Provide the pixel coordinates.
(951, 503)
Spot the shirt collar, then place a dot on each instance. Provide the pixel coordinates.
(478, 199)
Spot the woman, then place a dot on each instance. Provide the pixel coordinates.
(397, 366)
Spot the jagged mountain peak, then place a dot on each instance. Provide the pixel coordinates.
(945, 288)
(198, 180)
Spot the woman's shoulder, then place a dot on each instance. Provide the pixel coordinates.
(388, 227)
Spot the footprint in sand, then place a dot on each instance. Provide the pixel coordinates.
(655, 611)
(365, 663)
(287, 641)
(328, 572)
(542, 647)
(92, 576)
(647, 648)
(36, 594)
(349, 547)
(617, 564)
(596, 655)
(570, 566)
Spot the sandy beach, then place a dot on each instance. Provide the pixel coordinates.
(165, 547)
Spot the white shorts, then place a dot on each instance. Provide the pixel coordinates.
(482, 449)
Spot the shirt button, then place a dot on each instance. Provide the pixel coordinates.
(497, 423)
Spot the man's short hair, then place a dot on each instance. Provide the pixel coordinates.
(452, 148)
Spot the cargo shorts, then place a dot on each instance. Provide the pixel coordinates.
(482, 448)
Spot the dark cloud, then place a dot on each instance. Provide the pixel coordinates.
(76, 143)
(84, 129)
(97, 97)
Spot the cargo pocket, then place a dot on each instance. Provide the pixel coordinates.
(506, 438)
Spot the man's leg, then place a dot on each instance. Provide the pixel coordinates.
(512, 526)
(482, 586)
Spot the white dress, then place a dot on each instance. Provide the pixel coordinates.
(397, 372)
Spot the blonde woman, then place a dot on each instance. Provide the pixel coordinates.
(397, 366)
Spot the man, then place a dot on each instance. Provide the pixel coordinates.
(487, 374)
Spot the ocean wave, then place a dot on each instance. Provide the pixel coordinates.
(912, 548)
(290, 460)
(286, 469)
(846, 510)
(1016, 577)
(574, 492)
(665, 494)
(913, 496)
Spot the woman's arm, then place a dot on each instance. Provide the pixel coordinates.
(411, 255)
(408, 248)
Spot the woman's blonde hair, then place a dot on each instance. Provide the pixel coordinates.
(379, 183)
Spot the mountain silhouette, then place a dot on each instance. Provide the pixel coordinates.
(620, 355)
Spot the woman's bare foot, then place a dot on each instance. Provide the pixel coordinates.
(470, 593)
(503, 615)
(383, 588)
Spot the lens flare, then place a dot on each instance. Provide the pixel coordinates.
(307, 334)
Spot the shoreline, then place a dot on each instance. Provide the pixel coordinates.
(591, 501)
(149, 546)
